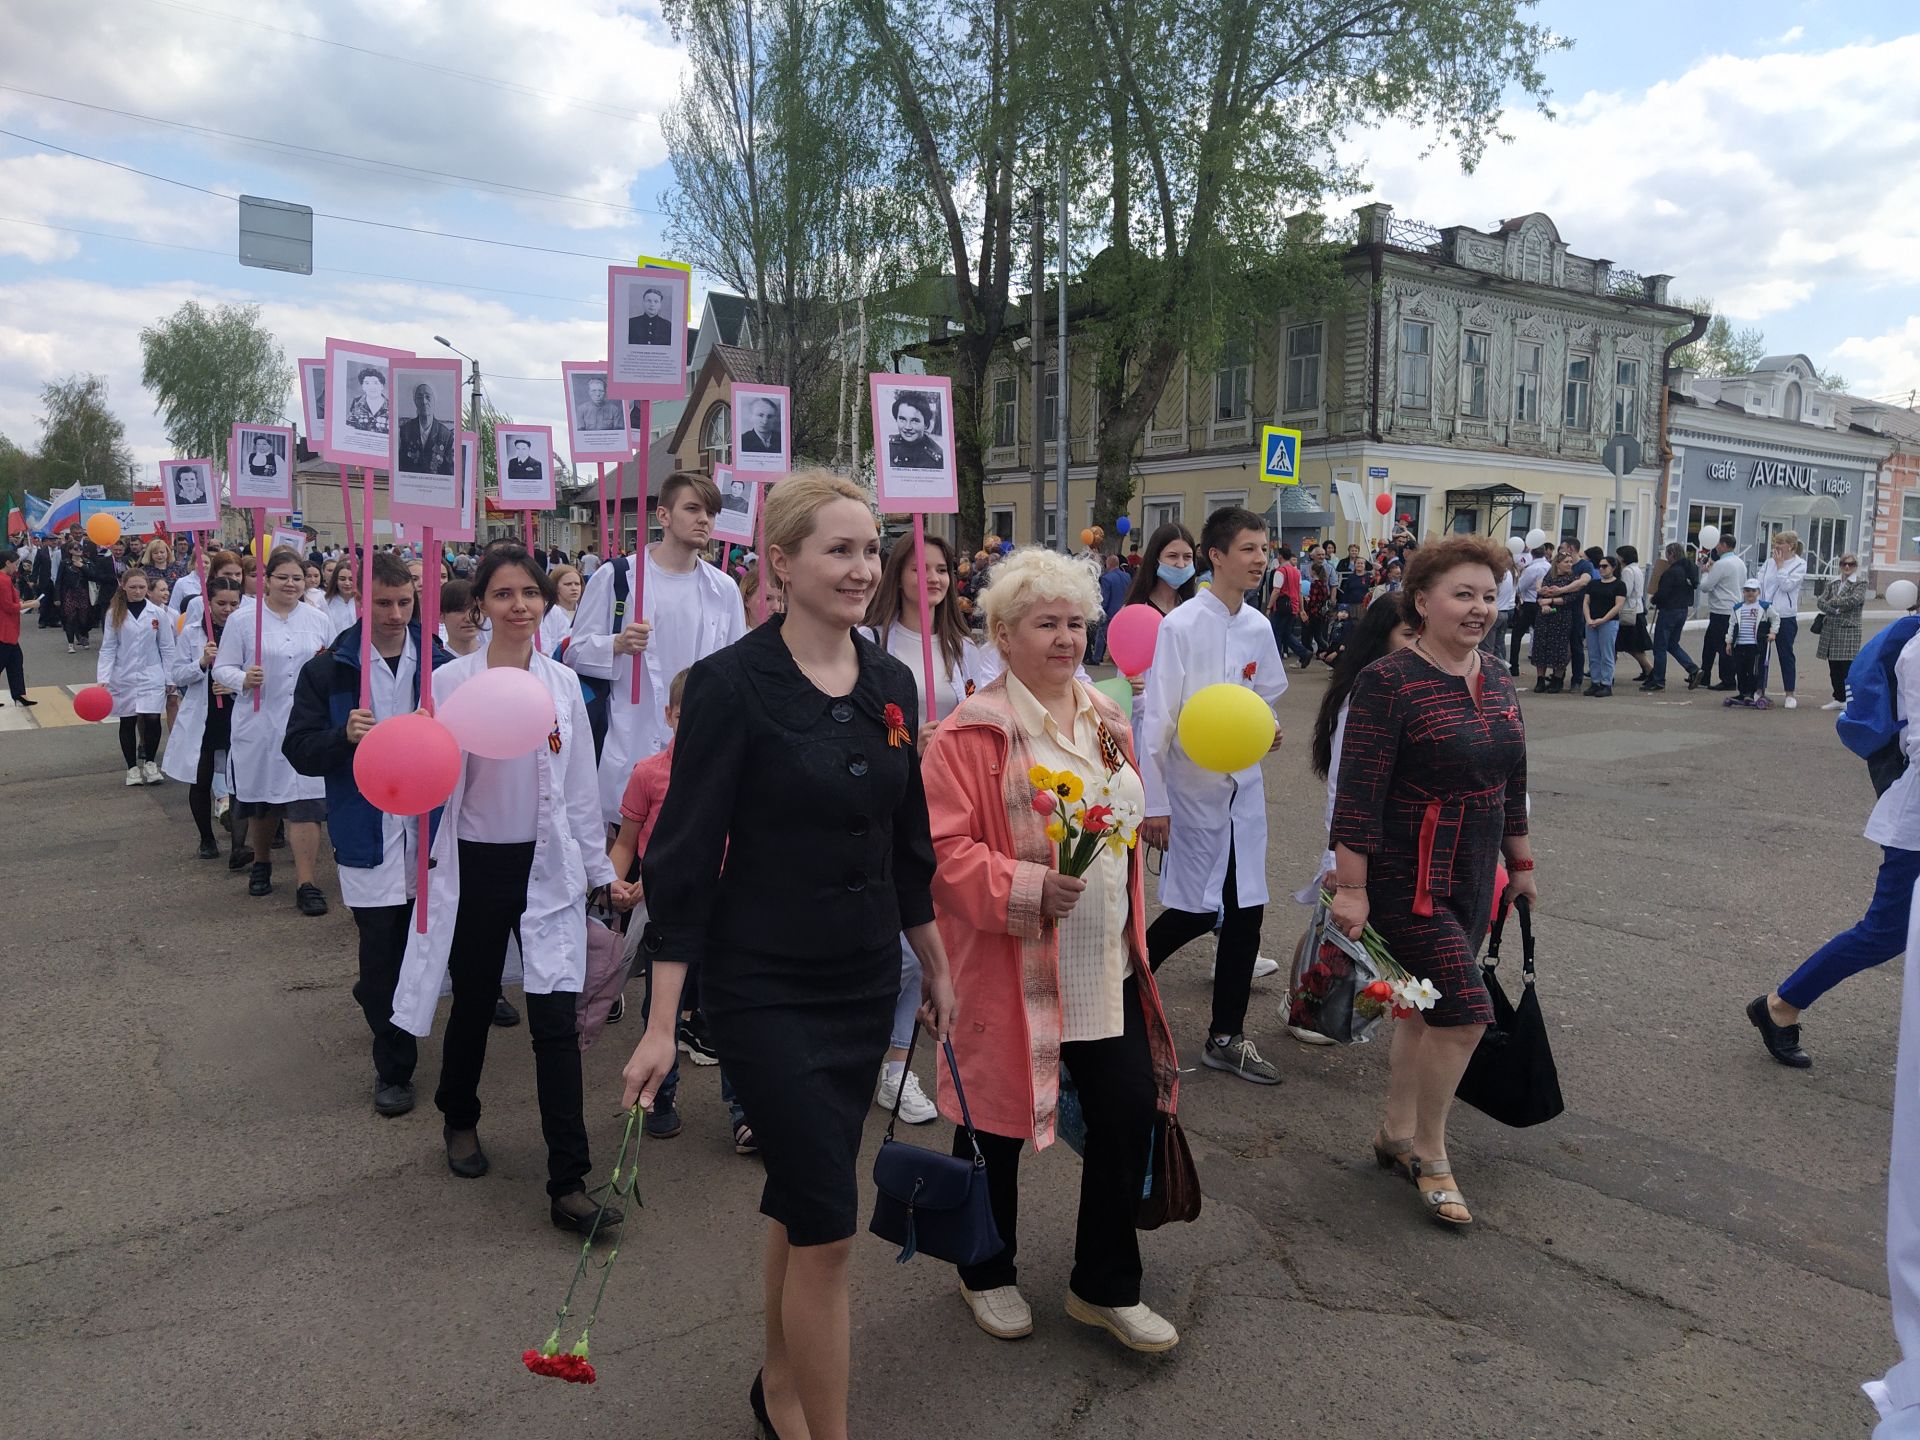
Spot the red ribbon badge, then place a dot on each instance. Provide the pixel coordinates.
(896, 726)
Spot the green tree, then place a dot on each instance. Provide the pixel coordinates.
(210, 370)
(1724, 350)
(1212, 144)
(19, 469)
(82, 441)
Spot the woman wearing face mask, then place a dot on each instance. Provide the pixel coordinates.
(1165, 578)
(960, 668)
(202, 731)
(799, 739)
(266, 788)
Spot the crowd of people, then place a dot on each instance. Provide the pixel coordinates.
(817, 826)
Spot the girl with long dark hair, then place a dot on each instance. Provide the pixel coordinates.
(1164, 580)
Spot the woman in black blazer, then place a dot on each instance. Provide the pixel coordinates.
(792, 850)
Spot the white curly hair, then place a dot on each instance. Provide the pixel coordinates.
(1027, 577)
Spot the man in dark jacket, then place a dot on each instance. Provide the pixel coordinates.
(377, 854)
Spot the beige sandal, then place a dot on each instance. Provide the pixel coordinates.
(1395, 1155)
(1436, 1200)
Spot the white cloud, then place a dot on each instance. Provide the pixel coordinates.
(65, 191)
(1790, 36)
(1884, 364)
(1754, 180)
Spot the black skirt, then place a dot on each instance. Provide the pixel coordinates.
(802, 1042)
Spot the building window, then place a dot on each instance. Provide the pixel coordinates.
(1161, 510)
(1526, 383)
(1000, 522)
(1473, 373)
(1416, 364)
(1006, 411)
(1466, 520)
(1232, 384)
(1573, 520)
(1220, 499)
(1826, 542)
(1303, 367)
(1050, 406)
(1579, 413)
(1724, 518)
(1413, 508)
(1626, 397)
(1520, 519)
(716, 436)
(1909, 528)
(1791, 410)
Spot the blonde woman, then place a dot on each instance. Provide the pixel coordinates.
(805, 779)
(1780, 581)
(558, 624)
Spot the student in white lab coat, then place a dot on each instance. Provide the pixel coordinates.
(691, 610)
(136, 653)
(266, 789)
(558, 625)
(203, 729)
(1213, 827)
(519, 845)
(343, 596)
(377, 853)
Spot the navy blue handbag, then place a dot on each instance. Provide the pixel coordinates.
(930, 1202)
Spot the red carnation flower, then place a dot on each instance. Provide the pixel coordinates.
(1252, 668)
(574, 1369)
(894, 715)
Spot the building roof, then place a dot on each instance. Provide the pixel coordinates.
(730, 314)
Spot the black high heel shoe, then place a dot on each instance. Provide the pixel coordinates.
(757, 1398)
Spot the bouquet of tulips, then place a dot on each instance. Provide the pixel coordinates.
(1081, 817)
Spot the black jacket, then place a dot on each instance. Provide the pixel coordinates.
(1677, 585)
(820, 819)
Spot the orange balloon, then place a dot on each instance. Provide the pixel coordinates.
(103, 529)
(1086, 537)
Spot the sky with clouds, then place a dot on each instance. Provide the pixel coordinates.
(1765, 160)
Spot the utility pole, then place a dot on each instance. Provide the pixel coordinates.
(1037, 338)
(1060, 415)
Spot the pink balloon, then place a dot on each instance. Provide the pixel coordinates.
(1499, 888)
(501, 714)
(94, 703)
(406, 765)
(1131, 636)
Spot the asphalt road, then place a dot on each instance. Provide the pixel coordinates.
(209, 1233)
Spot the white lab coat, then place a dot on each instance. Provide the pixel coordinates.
(342, 614)
(261, 774)
(1896, 1395)
(390, 882)
(555, 626)
(1200, 644)
(635, 732)
(182, 758)
(569, 858)
(135, 657)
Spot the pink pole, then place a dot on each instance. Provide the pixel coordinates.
(365, 603)
(260, 605)
(200, 569)
(926, 621)
(431, 550)
(619, 504)
(346, 506)
(760, 549)
(640, 533)
(601, 494)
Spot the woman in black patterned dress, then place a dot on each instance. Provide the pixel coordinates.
(1433, 787)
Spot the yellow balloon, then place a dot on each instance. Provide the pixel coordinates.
(103, 530)
(1226, 728)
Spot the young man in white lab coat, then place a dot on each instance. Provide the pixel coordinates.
(377, 854)
(689, 610)
(1213, 826)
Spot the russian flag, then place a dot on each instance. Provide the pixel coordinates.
(49, 517)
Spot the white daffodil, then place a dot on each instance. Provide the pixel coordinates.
(1422, 994)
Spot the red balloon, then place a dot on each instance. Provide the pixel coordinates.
(1499, 889)
(93, 703)
(1131, 637)
(1383, 503)
(407, 764)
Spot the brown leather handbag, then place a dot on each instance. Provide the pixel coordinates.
(1173, 1184)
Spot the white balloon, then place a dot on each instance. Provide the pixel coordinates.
(1902, 594)
(1709, 536)
(1535, 539)
(1515, 546)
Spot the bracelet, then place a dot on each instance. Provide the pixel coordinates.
(1341, 885)
(1516, 867)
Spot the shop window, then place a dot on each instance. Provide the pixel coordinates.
(1006, 411)
(1909, 528)
(1579, 392)
(1526, 383)
(1416, 364)
(1724, 518)
(1303, 367)
(1826, 541)
(1473, 373)
(1626, 397)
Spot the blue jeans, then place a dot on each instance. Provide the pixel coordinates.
(1600, 642)
(1783, 637)
(1880, 935)
(1668, 626)
(909, 1001)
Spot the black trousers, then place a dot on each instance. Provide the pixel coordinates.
(1837, 673)
(1115, 1080)
(1233, 961)
(1577, 645)
(1716, 645)
(139, 738)
(493, 893)
(1746, 669)
(1525, 614)
(383, 945)
(14, 662)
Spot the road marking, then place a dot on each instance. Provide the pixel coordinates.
(54, 710)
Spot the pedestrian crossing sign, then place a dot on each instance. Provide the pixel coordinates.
(1279, 455)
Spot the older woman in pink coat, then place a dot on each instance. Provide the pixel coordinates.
(1049, 969)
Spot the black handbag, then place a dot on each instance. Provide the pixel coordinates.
(930, 1202)
(1511, 1077)
(1819, 625)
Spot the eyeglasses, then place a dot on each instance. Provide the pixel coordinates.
(1849, 564)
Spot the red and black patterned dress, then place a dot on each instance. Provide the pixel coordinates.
(1432, 778)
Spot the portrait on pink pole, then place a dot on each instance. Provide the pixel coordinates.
(596, 421)
(191, 494)
(360, 421)
(523, 457)
(261, 477)
(762, 429)
(913, 457)
(646, 333)
(424, 443)
(739, 505)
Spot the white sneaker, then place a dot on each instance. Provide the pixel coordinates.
(1263, 966)
(150, 773)
(1002, 1311)
(1834, 705)
(133, 775)
(915, 1107)
(1134, 1326)
(1308, 1037)
(1791, 703)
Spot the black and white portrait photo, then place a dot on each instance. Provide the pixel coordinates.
(646, 333)
(914, 466)
(262, 475)
(739, 505)
(521, 462)
(735, 497)
(761, 432)
(369, 411)
(525, 460)
(360, 421)
(596, 422)
(426, 439)
(313, 400)
(192, 502)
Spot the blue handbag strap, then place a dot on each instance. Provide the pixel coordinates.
(959, 1090)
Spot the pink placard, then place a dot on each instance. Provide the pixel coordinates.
(191, 493)
(313, 401)
(762, 430)
(596, 428)
(423, 462)
(523, 466)
(360, 418)
(740, 498)
(647, 321)
(469, 489)
(913, 462)
(261, 473)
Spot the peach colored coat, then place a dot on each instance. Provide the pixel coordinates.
(993, 853)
